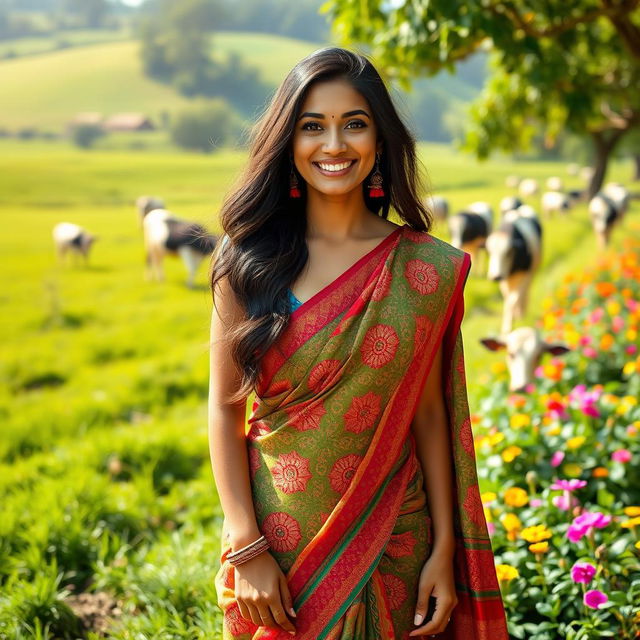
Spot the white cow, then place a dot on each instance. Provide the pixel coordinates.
(525, 348)
(71, 238)
(528, 187)
(515, 253)
(554, 202)
(555, 183)
(164, 234)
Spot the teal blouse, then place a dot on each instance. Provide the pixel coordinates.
(294, 302)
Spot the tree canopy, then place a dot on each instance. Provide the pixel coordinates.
(557, 65)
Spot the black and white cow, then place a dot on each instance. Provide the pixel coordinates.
(439, 206)
(144, 204)
(509, 203)
(554, 202)
(515, 253)
(470, 228)
(165, 234)
(525, 348)
(607, 208)
(73, 239)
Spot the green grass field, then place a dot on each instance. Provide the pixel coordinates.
(104, 469)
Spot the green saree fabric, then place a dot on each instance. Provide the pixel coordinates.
(337, 485)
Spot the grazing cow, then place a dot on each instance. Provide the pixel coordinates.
(528, 187)
(620, 196)
(470, 228)
(604, 214)
(69, 237)
(439, 206)
(166, 234)
(525, 348)
(144, 204)
(577, 195)
(509, 203)
(512, 182)
(555, 183)
(554, 201)
(515, 253)
(586, 173)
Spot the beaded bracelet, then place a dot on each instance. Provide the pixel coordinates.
(247, 553)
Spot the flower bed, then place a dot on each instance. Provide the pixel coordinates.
(560, 465)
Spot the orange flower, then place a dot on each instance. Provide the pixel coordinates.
(606, 342)
(605, 289)
(600, 472)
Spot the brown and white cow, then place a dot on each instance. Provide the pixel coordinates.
(525, 348)
(164, 234)
(515, 253)
(73, 239)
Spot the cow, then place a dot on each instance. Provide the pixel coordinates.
(509, 203)
(512, 182)
(555, 183)
(525, 348)
(605, 213)
(70, 237)
(144, 204)
(164, 233)
(470, 228)
(439, 206)
(528, 187)
(620, 196)
(554, 202)
(515, 253)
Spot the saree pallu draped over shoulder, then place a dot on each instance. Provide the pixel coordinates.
(337, 486)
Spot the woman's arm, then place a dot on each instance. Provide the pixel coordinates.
(226, 424)
(430, 427)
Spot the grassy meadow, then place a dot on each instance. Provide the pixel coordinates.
(105, 478)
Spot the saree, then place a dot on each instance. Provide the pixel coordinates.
(337, 485)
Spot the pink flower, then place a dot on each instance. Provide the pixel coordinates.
(590, 352)
(617, 323)
(535, 502)
(594, 598)
(530, 388)
(631, 349)
(557, 458)
(586, 400)
(557, 410)
(583, 572)
(621, 455)
(569, 485)
(584, 523)
(584, 340)
(491, 528)
(562, 503)
(539, 372)
(596, 315)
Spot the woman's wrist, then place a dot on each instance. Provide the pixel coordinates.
(242, 537)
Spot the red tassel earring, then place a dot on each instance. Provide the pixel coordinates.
(294, 191)
(375, 186)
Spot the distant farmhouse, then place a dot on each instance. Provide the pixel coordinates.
(116, 122)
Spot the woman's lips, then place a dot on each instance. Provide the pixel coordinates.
(334, 172)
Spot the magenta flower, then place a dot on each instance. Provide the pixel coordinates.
(586, 400)
(589, 352)
(584, 340)
(491, 528)
(596, 315)
(583, 572)
(557, 458)
(594, 598)
(562, 503)
(584, 523)
(557, 410)
(621, 455)
(631, 349)
(569, 485)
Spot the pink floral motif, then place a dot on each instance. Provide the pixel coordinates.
(379, 345)
(396, 590)
(362, 413)
(466, 437)
(473, 505)
(343, 470)
(401, 544)
(291, 472)
(282, 531)
(258, 428)
(308, 417)
(236, 623)
(422, 276)
(322, 374)
(383, 285)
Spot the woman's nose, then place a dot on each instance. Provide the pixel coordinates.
(334, 142)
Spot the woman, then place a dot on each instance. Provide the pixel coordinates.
(351, 504)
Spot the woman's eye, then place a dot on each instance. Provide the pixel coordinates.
(311, 126)
(358, 124)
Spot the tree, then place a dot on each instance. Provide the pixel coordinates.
(563, 65)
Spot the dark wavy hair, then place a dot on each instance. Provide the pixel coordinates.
(266, 248)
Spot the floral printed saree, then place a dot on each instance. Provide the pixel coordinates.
(337, 485)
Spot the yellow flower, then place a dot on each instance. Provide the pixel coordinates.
(629, 368)
(539, 547)
(630, 524)
(572, 469)
(576, 442)
(516, 497)
(554, 430)
(537, 533)
(488, 496)
(519, 420)
(613, 308)
(637, 545)
(632, 511)
(498, 367)
(512, 524)
(488, 516)
(496, 438)
(506, 572)
(631, 335)
(510, 453)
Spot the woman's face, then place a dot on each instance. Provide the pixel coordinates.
(334, 144)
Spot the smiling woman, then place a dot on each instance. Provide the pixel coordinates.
(351, 501)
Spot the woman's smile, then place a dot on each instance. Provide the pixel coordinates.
(334, 168)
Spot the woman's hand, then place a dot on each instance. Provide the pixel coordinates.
(436, 580)
(263, 594)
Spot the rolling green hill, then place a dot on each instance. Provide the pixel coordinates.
(44, 90)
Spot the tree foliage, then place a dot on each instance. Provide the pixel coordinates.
(559, 65)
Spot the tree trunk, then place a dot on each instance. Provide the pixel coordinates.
(603, 145)
(636, 161)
